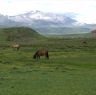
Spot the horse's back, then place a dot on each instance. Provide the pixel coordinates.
(41, 52)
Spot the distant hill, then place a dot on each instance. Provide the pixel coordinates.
(19, 34)
(82, 35)
(61, 30)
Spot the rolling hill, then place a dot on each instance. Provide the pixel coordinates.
(19, 34)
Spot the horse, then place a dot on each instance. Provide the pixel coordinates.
(41, 52)
(84, 42)
(15, 46)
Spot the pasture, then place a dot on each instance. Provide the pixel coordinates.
(70, 69)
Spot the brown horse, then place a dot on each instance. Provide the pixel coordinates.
(41, 52)
(15, 46)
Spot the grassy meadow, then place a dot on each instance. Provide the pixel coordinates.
(70, 69)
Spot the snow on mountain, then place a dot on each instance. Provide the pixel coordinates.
(49, 22)
(32, 16)
(38, 19)
(41, 19)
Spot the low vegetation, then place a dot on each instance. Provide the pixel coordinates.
(70, 69)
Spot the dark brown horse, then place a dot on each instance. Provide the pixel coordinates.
(41, 52)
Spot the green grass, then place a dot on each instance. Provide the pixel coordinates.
(65, 73)
(48, 82)
(70, 70)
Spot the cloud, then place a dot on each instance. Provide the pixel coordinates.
(84, 8)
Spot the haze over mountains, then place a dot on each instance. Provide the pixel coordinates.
(47, 23)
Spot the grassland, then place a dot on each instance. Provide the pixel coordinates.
(70, 70)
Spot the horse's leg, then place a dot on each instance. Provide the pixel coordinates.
(47, 56)
(17, 48)
(38, 57)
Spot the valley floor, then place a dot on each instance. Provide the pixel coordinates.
(70, 70)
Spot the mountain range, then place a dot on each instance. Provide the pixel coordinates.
(47, 23)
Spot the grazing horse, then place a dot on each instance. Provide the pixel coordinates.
(15, 46)
(41, 52)
(84, 42)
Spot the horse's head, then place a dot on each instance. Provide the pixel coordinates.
(34, 56)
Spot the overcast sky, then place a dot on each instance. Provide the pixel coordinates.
(85, 9)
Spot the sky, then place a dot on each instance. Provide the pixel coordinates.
(85, 10)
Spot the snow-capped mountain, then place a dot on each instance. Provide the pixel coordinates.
(46, 22)
(41, 19)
